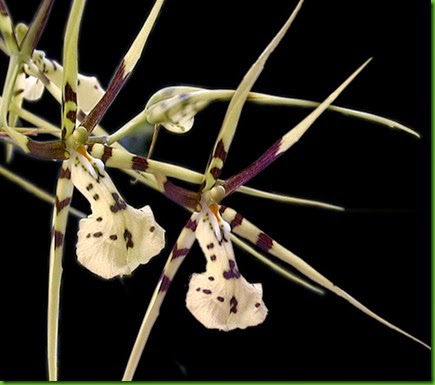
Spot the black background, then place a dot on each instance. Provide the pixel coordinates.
(378, 251)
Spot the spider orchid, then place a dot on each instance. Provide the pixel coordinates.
(221, 298)
(116, 238)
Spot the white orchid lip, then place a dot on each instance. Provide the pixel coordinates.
(221, 298)
(116, 238)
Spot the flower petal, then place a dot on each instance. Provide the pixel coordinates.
(220, 298)
(116, 238)
(33, 88)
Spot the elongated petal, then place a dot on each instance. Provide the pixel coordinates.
(220, 298)
(252, 233)
(70, 73)
(274, 266)
(179, 251)
(116, 238)
(229, 125)
(7, 30)
(288, 140)
(64, 190)
(36, 27)
(124, 70)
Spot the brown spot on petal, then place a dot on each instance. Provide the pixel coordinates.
(58, 238)
(65, 173)
(237, 221)
(264, 241)
(220, 152)
(119, 203)
(191, 224)
(139, 163)
(128, 237)
(61, 204)
(233, 305)
(71, 115)
(70, 95)
(107, 154)
(215, 171)
(177, 253)
(165, 283)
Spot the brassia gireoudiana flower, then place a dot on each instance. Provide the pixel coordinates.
(116, 238)
(221, 297)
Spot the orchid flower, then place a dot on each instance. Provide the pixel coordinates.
(116, 238)
(220, 297)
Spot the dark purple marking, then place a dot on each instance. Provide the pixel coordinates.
(71, 115)
(128, 238)
(220, 152)
(47, 150)
(107, 154)
(210, 246)
(258, 304)
(181, 196)
(211, 278)
(253, 169)
(213, 257)
(215, 172)
(191, 224)
(165, 283)
(264, 241)
(3, 9)
(113, 237)
(233, 272)
(65, 173)
(115, 85)
(139, 163)
(206, 291)
(61, 204)
(89, 146)
(177, 253)
(119, 203)
(58, 238)
(237, 221)
(198, 289)
(98, 234)
(233, 305)
(220, 299)
(69, 96)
